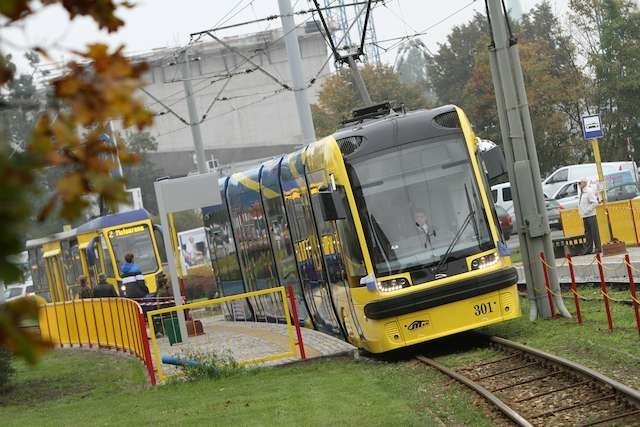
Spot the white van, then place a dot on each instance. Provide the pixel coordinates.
(501, 194)
(566, 174)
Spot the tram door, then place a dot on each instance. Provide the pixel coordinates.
(55, 276)
(333, 253)
(314, 281)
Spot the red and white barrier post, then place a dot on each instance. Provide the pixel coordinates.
(547, 283)
(574, 290)
(603, 290)
(632, 290)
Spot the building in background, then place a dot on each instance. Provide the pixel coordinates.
(250, 119)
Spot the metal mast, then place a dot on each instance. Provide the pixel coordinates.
(297, 76)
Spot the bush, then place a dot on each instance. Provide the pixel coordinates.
(209, 365)
(6, 370)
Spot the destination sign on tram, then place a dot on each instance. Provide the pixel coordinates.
(129, 230)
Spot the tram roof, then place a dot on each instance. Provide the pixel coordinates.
(114, 219)
(63, 235)
(394, 130)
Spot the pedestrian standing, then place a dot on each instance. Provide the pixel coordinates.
(587, 208)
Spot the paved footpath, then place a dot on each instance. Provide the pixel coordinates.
(251, 340)
(586, 268)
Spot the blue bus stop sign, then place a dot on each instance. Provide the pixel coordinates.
(591, 127)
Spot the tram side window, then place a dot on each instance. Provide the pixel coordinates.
(223, 250)
(252, 235)
(38, 273)
(278, 226)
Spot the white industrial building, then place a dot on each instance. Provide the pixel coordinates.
(249, 120)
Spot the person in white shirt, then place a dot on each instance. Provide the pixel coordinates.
(587, 209)
(424, 227)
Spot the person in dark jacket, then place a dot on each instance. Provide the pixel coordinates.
(85, 291)
(103, 289)
(132, 279)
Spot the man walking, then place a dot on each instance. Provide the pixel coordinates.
(587, 208)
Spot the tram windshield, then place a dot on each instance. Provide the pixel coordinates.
(419, 204)
(135, 240)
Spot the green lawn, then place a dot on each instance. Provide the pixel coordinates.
(82, 387)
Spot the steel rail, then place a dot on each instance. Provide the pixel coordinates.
(621, 388)
(503, 407)
(633, 396)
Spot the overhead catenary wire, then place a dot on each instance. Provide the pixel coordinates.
(274, 17)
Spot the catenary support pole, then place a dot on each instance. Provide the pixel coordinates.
(522, 164)
(297, 75)
(194, 119)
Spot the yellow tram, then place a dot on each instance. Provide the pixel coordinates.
(338, 220)
(93, 248)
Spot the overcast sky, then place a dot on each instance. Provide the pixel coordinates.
(168, 23)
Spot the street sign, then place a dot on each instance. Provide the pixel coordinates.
(591, 128)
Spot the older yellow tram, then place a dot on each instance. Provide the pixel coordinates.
(384, 229)
(93, 248)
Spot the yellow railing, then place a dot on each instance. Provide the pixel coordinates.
(275, 296)
(624, 217)
(112, 323)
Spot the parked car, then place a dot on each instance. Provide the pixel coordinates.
(506, 222)
(622, 192)
(15, 291)
(568, 195)
(553, 208)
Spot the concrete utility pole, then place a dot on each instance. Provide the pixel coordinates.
(522, 164)
(194, 119)
(295, 66)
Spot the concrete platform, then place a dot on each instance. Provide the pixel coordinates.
(586, 268)
(251, 340)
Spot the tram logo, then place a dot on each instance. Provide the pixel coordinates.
(417, 324)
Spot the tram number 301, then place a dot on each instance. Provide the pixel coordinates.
(483, 308)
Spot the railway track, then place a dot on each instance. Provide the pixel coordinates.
(534, 388)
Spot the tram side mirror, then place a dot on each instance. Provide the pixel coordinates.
(332, 205)
(494, 162)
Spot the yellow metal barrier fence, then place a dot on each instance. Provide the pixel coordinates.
(238, 324)
(624, 217)
(112, 323)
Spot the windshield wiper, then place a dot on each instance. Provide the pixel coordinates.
(447, 253)
(373, 224)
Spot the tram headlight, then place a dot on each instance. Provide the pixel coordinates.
(485, 261)
(392, 284)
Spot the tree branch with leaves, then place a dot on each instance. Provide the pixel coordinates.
(97, 87)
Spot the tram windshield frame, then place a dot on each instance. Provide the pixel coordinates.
(430, 178)
(139, 243)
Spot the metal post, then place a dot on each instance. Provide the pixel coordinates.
(522, 165)
(359, 82)
(168, 247)
(295, 66)
(603, 192)
(194, 119)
